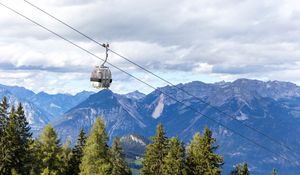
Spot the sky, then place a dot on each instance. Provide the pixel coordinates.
(179, 40)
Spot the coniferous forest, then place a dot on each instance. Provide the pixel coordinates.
(21, 154)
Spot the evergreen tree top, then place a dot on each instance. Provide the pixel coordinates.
(116, 144)
(49, 135)
(273, 171)
(96, 157)
(160, 135)
(201, 157)
(98, 133)
(81, 138)
(119, 165)
(3, 106)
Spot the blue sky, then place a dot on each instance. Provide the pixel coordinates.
(207, 40)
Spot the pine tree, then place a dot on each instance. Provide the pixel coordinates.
(10, 146)
(201, 157)
(77, 153)
(66, 156)
(95, 158)
(25, 137)
(174, 161)
(244, 170)
(117, 159)
(3, 124)
(3, 115)
(14, 172)
(46, 171)
(50, 151)
(37, 156)
(236, 170)
(273, 171)
(155, 153)
(240, 170)
(17, 138)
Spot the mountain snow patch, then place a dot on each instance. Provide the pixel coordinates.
(137, 140)
(242, 117)
(159, 108)
(52, 105)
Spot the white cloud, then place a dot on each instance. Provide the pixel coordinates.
(221, 39)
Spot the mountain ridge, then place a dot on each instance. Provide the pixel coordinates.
(40, 107)
(272, 107)
(263, 105)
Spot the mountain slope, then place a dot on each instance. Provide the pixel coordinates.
(36, 117)
(41, 108)
(271, 107)
(58, 104)
(119, 114)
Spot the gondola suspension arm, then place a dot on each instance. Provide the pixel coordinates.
(106, 49)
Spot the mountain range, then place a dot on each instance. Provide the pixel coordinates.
(269, 109)
(41, 108)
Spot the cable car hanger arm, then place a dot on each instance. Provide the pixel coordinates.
(106, 50)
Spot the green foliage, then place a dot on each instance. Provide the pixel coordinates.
(117, 159)
(95, 158)
(245, 170)
(66, 156)
(15, 141)
(25, 140)
(20, 154)
(77, 153)
(174, 161)
(236, 170)
(36, 154)
(241, 170)
(201, 157)
(3, 125)
(50, 151)
(46, 171)
(14, 172)
(155, 153)
(3, 115)
(273, 171)
(10, 145)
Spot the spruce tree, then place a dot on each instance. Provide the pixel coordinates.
(16, 140)
(11, 146)
(66, 156)
(95, 158)
(174, 161)
(14, 172)
(244, 170)
(240, 170)
(50, 151)
(117, 159)
(201, 157)
(36, 155)
(77, 153)
(3, 115)
(273, 171)
(25, 136)
(236, 170)
(155, 153)
(3, 124)
(46, 171)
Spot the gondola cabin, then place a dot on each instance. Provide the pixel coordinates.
(101, 77)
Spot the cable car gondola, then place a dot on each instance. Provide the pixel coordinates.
(101, 75)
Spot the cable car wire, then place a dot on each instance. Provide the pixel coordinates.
(151, 86)
(165, 80)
